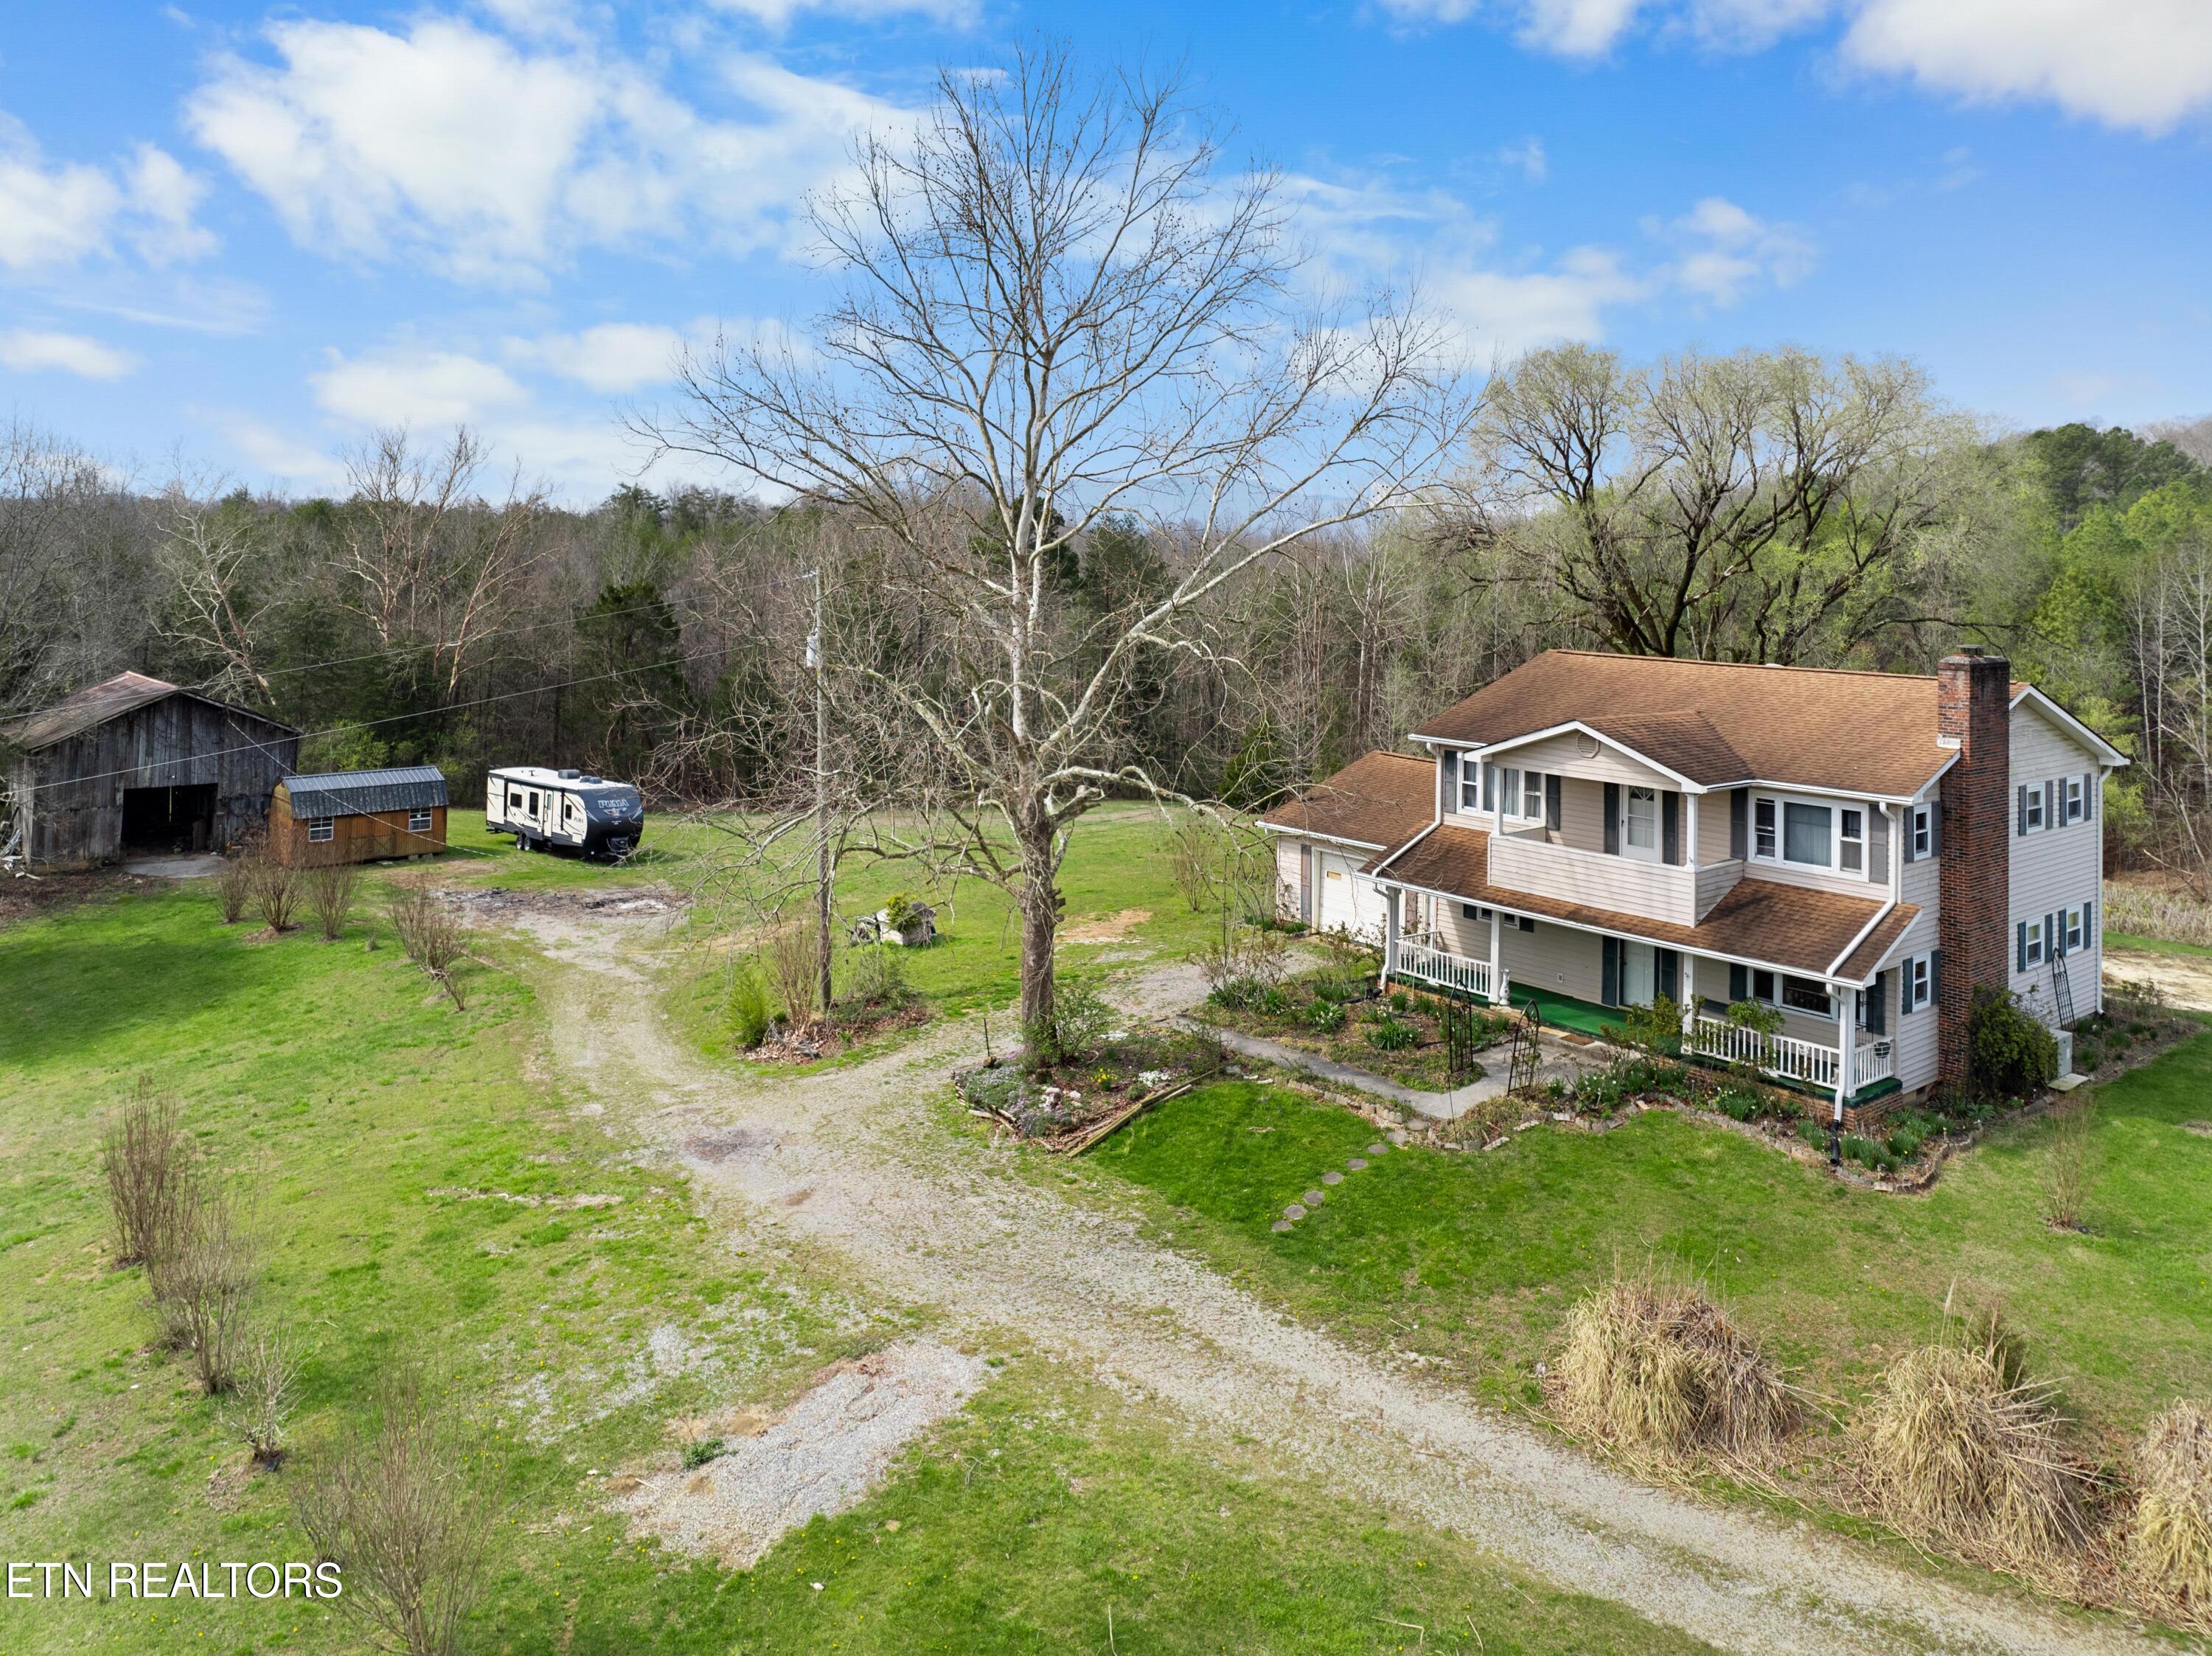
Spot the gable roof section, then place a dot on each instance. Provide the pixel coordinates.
(1795, 928)
(1379, 799)
(96, 703)
(1717, 722)
(357, 793)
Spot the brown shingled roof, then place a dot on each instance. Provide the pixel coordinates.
(1794, 928)
(1720, 721)
(1379, 799)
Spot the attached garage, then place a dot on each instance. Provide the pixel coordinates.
(1334, 828)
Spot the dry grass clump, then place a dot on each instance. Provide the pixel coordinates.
(1962, 1446)
(2169, 1551)
(1655, 1365)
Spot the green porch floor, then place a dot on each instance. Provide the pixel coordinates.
(1565, 1012)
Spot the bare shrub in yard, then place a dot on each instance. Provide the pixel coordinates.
(1654, 1365)
(205, 1286)
(265, 1392)
(275, 888)
(430, 931)
(791, 964)
(1962, 1446)
(330, 890)
(2069, 1171)
(407, 1519)
(2169, 1549)
(148, 1156)
(233, 887)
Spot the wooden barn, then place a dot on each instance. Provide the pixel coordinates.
(358, 816)
(136, 767)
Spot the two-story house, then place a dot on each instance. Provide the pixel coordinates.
(1860, 852)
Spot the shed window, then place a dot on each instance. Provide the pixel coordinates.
(418, 822)
(321, 829)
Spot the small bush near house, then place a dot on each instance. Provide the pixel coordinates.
(2009, 1054)
(1659, 1366)
(1960, 1446)
(1656, 1027)
(746, 1012)
(275, 888)
(2069, 1174)
(2170, 1546)
(399, 1510)
(1390, 1034)
(1325, 1017)
(330, 890)
(1081, 1022)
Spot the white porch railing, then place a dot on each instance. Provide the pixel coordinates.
(1446, 970)
(1788, 1057)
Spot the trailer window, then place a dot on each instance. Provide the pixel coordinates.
(321, 829)
(514, 799)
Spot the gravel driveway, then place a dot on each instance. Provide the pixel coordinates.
(850, 1160)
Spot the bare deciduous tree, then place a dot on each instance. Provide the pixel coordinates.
(209, 549)
(1056, 314)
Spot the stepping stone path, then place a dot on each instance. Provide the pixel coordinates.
(1313, 1198)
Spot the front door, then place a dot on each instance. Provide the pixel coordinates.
(1639, 823)
(1639, 973)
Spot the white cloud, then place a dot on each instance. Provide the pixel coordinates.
(280, 456)
(612, 357)
(29, 351)
(55, 215)
(2145, 64)
(410, 387)
(1527, 159)
(493, 159)
(1506, 313)
(1723, 252)
(778, 14)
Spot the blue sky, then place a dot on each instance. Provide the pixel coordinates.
(239, 238)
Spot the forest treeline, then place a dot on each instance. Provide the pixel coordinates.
(1762, 506)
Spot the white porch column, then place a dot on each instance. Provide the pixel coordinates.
(1690, 851)
(1390, 899)
(1847, 1031)
(1689, 985)
(1496, 959)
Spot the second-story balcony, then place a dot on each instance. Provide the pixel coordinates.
(1678, 893)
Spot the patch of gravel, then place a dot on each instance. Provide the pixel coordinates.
(821, 1455)
(928, 1219)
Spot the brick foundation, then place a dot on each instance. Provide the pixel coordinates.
(1973, 706)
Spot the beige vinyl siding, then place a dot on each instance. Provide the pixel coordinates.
(2053, 867)
(1288, 875)
(1555, 957)
(1715, 882)
(1582, 813)
(1568, 755)
(1713, 842)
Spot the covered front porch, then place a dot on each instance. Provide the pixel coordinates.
(1841, 1052)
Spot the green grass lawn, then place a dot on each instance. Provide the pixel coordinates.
(2156, 945)
(1474, 1259)
(383, 1132)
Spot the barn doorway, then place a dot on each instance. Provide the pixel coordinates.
(165, 821)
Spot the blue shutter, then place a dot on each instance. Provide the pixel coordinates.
(2019, 946)
(1552, 792)
(1609, 987)
(2050, 806)
(2089, 796)
(1670, 827)
(2089, 923)
(1740, 826)
(2019, 812)
(1611, 823)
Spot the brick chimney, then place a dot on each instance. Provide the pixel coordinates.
(1974, 712)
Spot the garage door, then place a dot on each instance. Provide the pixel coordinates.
(1348, 903)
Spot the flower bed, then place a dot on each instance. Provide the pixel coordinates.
(1337, 1014)
(1065, 1098)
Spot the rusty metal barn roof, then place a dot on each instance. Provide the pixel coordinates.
(96, 703)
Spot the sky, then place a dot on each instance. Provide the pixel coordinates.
(235, 239)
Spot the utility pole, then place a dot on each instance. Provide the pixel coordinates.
(822, 891)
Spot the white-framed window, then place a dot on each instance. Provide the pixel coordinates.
(1809, 833)
(1805, 833)
(2031, 811)
(1470, 783)
(418, 822)
(1923, 831)
(2032, 950)
(1475, 912)
(2076, 799)
(1807, 995)
(1764, 841)
(1850, 847)
(1532, 795)
(2073, 931)
(321, 829)
(1639, 821)
(1918, 986)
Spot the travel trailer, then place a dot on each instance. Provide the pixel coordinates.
(544, 807)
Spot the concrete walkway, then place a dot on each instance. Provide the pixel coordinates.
(1557, 1060)
(199, 867)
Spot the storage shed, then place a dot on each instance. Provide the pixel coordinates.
(138, 767)
(358, 816)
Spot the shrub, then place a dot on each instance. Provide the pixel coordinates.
(2068, 1168)
(205, 1284)
(791, 960)
(1660, 1366)
(1400, 1001)
(1390, 1034)
(148, 1154)
(1814, 1132)
(1962, 1446)
(1339, 991)
(2009, 1054)
(1906, 1135)
(699, 1452)
(1868, 1154)
(746, 1013)
(1656, 1027)
(1275, 1001)
(275, 888)
(1081, 1020)
(233, 885)
(876, 976)
(2170, 1547)
(1739, 1103)
(1237, 994)
(1325, 1017)
(266, 1393)
(329, 891)
(401, 1512)
(430, 932)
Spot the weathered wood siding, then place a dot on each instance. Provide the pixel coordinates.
(364, 837)
(72, 791)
